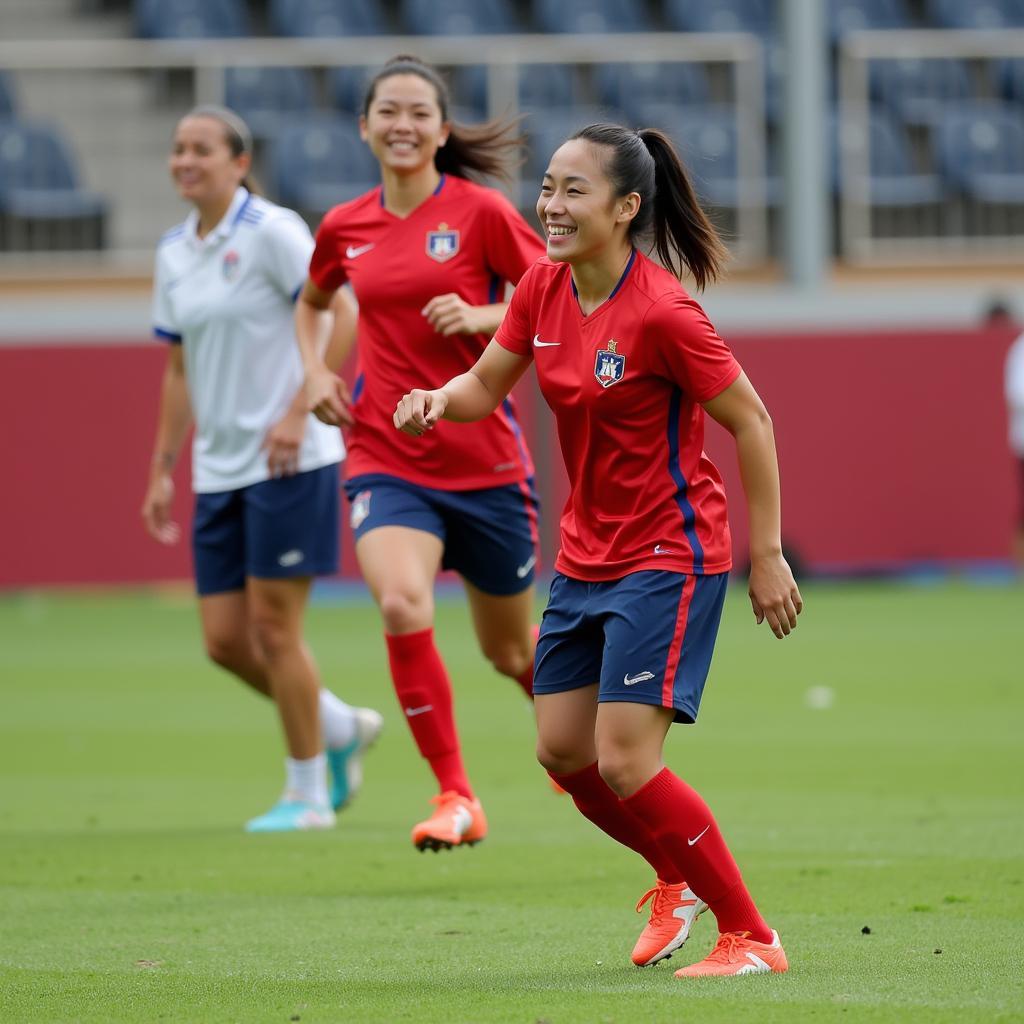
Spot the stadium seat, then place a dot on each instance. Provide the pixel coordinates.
(39, 183)
(266, 96)
(855, 15)
(1008, 78)
(539, 86)
(633, 87)
(590, 16)
(458, 17)
(990, 14)
(916, 90)
(8, 106)
(893, 180)
(346, 87)
(720, 16)
(326, 18)
(980, 147)
(190, 19)
(320, 161)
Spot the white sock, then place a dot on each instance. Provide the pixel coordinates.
(337, 720)
(307, 779)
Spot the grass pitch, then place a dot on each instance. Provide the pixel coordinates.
(867, 773)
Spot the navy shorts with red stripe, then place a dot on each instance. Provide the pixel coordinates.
(489, 535)
(647, 638)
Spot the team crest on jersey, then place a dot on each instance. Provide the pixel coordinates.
(360, 509)
(229, 265)
(610, 365)
(442, 244)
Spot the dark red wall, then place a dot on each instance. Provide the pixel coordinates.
(892, 448)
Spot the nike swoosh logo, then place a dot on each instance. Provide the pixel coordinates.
(522, 570)
(537, 343)
(353, 251)
(413, 712)
(695, 838)
(659, 550)
(640, 677)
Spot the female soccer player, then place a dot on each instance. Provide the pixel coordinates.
(264, 470)
(428, 255)
(629, 363)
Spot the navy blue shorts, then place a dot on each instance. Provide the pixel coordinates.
(646, 638)
(275, 529)
(489, 535)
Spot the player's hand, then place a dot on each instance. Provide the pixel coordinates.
(774, 595)
(328, 397)
(451, 314)
(282, 444)
(418, 411)
(156, 510)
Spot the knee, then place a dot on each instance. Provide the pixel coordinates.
(405, 611)
(560, 758)
(228, 651)
(621, 772)
(273, 636)
(510, 659)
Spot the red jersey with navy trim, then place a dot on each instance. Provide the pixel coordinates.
(625, 384)
(466, 239)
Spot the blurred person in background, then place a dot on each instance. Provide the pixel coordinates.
(1013, 383)
(428, 255)
(264, 470)
(630, 364)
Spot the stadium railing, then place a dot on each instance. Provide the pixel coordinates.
(117, 100)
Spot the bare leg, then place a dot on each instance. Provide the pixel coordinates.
(227, 634)
(504, 628)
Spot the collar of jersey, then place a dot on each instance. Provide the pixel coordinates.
(437, 191)
(226, 225)
(615, 291)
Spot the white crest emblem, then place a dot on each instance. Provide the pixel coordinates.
(609, 366)
(360, 509)
(442, 244)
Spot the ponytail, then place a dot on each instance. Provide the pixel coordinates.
(670, 215)
(489, 150)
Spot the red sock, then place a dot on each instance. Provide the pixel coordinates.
(526, 679)
(598, 803)
(425, 695)
(683, 825)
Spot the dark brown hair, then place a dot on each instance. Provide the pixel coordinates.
(670, 214)
(488, 150)
(236, 134)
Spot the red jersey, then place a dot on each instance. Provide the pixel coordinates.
(466, 239)
(625, 384)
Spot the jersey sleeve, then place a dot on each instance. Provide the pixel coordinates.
(512, 245)
(687, 348)
(513, 332)
(325, 269)
(286, 246)
(165, 328)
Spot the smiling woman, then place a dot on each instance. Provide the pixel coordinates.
(629, 364)
(264, 470)
(428, 256)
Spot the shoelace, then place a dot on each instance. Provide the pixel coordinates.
(726, 947)
(660, 894)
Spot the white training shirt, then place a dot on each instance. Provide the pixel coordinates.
(229, 299)
(1015, 395)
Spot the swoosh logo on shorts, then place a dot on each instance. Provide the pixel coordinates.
(640, 677)
(523, 569)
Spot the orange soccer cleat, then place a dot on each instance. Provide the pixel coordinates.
(458, 821)
(674, 908)
(737, 953)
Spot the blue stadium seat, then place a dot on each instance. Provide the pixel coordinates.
(980, 147)
(991, 14)
(540, 86)
(590, 16)
(190, 19)
(458, 17)
(346, 87)
(916, 90)
(326, 18)
(633, 87)
(320, 161)
(546, 131)
(1008, 78)
(8, 105)
(893, 178)
(39, 181)
(853, 15)
(720, 16)
(266, 96)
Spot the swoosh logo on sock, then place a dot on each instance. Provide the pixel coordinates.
(413, 712)
(695, 838)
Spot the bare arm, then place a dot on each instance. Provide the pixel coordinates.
(325, 326)
(773, 591)
(470, 396)
(173, 421)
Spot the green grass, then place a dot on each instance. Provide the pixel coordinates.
(129, 893)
